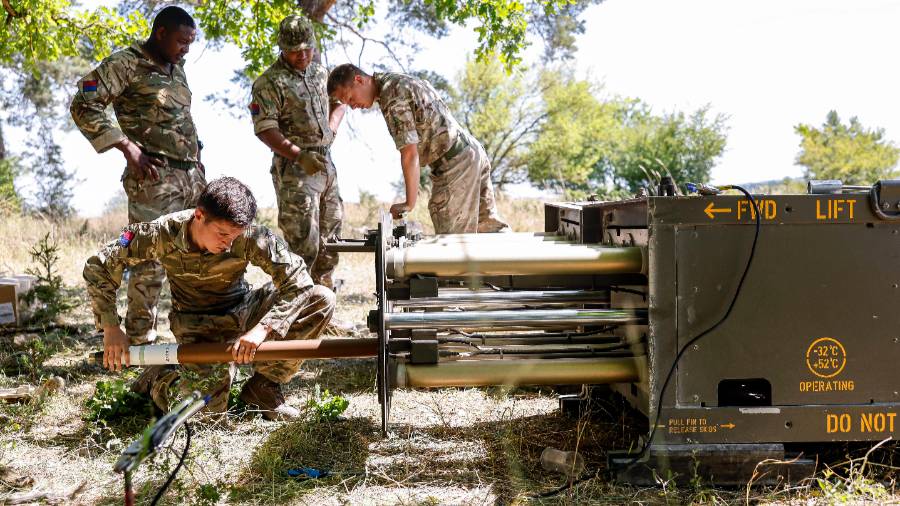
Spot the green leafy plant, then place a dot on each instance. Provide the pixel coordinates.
(207, 495)
(32, 358)
(114, 400)
(48, 293)
(324, 407)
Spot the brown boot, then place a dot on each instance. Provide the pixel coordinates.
(265, 394)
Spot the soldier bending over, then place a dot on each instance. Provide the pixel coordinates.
(205, 252)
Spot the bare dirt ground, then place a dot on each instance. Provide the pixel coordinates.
(447, 446)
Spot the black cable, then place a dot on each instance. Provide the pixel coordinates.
(681, 352)
(171, 478)
(699, 336)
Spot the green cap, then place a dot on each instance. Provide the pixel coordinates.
(296, 33)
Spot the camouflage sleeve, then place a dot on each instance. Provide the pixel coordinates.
(271, 254)
(398, 114)
(96, 91)
(265, 102)
(103, 271)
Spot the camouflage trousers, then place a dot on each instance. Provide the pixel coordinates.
(462, 195)
(316, 308)
(175, 190)
(310, 213)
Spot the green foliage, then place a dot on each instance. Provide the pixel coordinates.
(48, 292)
(857, 487)
(615, 146)
(324, 407)
(47, 30)
(53, 195)
(852, 153)
(674, 144)
(31, 359)
(576, 136)
(9, 198)
(113, 400)
(207, 495)
(251, 25)
(502, 110)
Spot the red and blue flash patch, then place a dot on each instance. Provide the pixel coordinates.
(90, 85)
(125, 238)
(254, 109)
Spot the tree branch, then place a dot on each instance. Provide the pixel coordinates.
(10, 12)
(365, 39)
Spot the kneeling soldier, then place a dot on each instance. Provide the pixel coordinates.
(205, 253)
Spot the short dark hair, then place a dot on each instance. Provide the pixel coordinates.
(342, 75)
(171, 18)
(230, 200)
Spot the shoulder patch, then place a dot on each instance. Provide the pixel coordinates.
(126, 237)
(254, 109)
(89, 85)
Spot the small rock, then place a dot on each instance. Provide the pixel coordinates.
(23, 340)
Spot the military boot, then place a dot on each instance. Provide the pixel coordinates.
(265, 394)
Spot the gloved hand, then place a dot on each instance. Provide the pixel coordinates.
(311, 162)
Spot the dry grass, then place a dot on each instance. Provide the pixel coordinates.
(448, 446)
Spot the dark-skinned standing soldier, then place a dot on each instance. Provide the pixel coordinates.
(148, 90)
(205, 252)
(427, 134)
(293, 115)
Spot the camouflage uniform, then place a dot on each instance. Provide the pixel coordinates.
(310, 209)
(153, 111)
(462, 196)
(211, 300)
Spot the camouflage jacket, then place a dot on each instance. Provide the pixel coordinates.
(416, 114)
(201, 282)
(153, 108)
(294, 102)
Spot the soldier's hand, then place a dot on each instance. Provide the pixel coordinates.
(399, 210)
(115, 348)
(311, 162)
(244, 349)
(142, 166)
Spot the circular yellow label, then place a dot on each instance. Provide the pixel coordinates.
(826, 357)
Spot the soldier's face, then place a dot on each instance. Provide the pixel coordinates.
(360, 93)
(299, 59)
(214, 236)
(175, 44)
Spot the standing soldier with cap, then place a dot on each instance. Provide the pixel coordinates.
(427, 134)
(148, 90)
(294, 117)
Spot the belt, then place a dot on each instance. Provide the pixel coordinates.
(173, 163)
(454, 150)
(322, 150)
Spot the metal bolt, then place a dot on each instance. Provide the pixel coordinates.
(896, 339)
(885, 206)
(696, 397)
(696, 347)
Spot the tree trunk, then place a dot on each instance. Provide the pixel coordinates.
(2, 145)
(316, 9)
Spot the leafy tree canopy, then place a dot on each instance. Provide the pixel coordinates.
(849, 152)
(38, 31)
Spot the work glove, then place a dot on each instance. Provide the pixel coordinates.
(311, 162)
